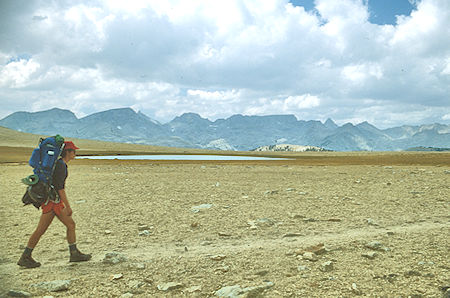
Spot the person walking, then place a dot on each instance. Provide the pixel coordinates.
(60, 207)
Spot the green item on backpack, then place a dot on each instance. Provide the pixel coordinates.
(31, 180)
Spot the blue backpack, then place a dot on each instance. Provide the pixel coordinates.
(43, 159)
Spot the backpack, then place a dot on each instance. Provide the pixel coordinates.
(43, 161)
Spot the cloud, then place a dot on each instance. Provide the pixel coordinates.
(17, 74)
(226, 57)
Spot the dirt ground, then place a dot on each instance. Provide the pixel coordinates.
(212, 225)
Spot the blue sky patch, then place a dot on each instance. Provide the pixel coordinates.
(382, 12)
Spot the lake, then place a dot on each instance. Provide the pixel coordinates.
(179, 157)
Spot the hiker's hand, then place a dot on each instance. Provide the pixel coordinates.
(69, 211)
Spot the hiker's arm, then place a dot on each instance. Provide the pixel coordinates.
(62, 195)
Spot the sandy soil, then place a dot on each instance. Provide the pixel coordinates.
(261, 219)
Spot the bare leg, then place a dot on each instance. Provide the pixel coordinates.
(75, 254)
(44, 222)
(70, 225)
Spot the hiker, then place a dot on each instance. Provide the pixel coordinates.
(60, 207)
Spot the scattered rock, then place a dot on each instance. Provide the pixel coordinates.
(117, 276)
(237, 291)
(262, 222)
(290, 189)
(108, 232)
(318, 249)
(223, 234)
(370, 255)
(127, 295)
(422, 263)
(327, 266)
(334, 219)
(292, 235)
(265, 222)
(310, 256)
(53, 286)
(114, 258)
(16, 293)
(223, 269)
(252, 225)
(196, 209)
(217, 257)
(375, 245)
(145, 233)
(80, 201)
(170, 286)
(302, 193)
(229, 291)
(302, 268)
(371, 222)
(355, 289)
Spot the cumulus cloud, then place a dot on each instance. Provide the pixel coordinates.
(218, 58)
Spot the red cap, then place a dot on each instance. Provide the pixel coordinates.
(70, 145)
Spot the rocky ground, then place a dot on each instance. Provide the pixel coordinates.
(169, 230)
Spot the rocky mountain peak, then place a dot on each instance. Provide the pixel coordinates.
(330, 124)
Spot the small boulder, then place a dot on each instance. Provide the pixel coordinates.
(310, 256)
(370, 255)
(53, 286)
(170, 286)
(375, 245)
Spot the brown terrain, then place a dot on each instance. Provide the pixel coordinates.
(329, 224)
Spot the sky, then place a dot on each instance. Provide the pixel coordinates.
(382, 61)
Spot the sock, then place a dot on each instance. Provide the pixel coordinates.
(72, 247)
(28, 251)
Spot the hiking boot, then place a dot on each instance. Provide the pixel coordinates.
(77, 256)
(28, 262)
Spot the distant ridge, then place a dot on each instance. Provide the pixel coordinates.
(428, 149)
(238, 132)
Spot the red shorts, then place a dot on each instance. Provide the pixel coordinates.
(52, 206)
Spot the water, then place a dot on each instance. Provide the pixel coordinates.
(179, 157)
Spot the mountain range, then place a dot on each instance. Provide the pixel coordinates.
(237, 132)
